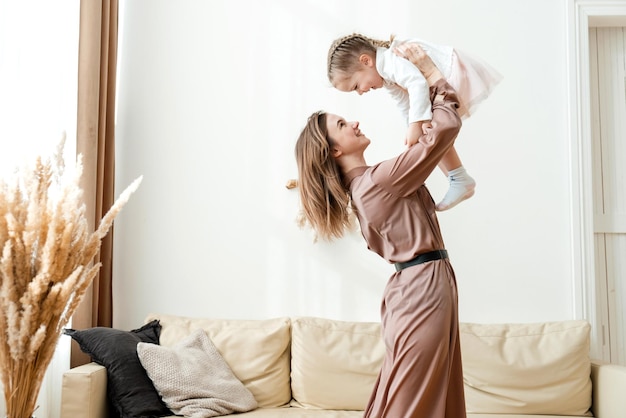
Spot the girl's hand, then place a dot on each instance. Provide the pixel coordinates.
(413, 134)
(414, 53)
(415, 130)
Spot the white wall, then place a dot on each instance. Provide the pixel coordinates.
(212, 96)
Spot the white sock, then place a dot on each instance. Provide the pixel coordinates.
(462, 187)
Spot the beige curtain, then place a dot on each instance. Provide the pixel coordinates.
(95, 140)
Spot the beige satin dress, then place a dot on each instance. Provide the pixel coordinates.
(421, 374)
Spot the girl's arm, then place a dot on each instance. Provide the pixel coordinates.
(406, 86)
(413, 100)
(407, 172)
(411, 93)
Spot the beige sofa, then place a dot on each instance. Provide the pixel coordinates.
(319, 368)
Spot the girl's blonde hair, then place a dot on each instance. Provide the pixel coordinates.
(325, 201)
(344, 53)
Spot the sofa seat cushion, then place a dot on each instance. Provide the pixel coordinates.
(330, 413)
(257, 351)
(541, 368)
(334, 364)
(521, 416)
(296, 413)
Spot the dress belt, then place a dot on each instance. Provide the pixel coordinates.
(422, 258)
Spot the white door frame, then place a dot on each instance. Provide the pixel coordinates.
(581, 15)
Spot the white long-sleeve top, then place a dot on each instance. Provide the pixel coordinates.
(405, 82)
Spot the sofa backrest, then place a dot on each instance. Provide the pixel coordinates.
(334, 364)
(525, 368)
(541, 368)
(257, 351)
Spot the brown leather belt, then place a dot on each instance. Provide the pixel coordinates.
(423, 258)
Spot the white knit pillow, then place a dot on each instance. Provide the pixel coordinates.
(193, 379)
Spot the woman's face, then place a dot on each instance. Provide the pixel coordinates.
(346, 136)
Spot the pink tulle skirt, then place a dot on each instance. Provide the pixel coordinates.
(473, 79)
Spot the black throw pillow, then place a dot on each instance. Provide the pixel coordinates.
(130, 390)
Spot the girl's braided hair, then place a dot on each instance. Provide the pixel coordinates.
(344, 53)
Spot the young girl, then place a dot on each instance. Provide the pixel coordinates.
(358, 63)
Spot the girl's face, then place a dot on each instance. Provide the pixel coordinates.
(362, 80)
(346, 137)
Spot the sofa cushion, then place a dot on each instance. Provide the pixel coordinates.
(257, 351)
(334, 364)
(130, 390)
(193, 378)
(301, 413)
(541, 368)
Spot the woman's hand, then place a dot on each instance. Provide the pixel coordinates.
(414, 53)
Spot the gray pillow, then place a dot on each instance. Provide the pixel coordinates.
(193, 378)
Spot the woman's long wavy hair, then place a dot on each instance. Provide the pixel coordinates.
(344, 53)
(324, 199)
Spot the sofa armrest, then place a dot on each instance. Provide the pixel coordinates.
(609, 387)
(84, 392)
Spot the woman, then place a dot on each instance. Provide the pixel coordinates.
(421, 374)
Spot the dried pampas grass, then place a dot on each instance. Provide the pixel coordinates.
(46, 254)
